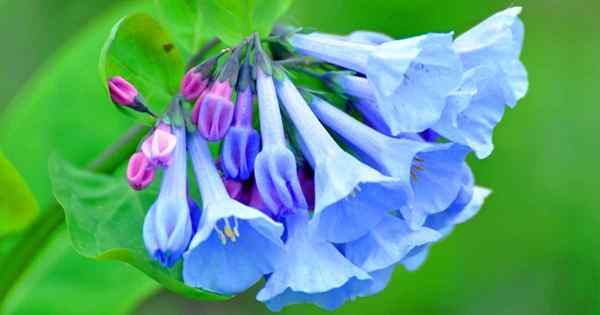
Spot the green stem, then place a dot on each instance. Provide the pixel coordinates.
(23, 253)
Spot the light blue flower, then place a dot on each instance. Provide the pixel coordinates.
(168, 226)
(433, 171)
(410, 78)
(235, 245)
(466, 205)
(312, 271)
(275, 167)
(351, 197)
(497, 40)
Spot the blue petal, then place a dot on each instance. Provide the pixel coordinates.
(474, 110)
(311, 271)
(387, 244)
(367, 37)
(352, 198)
(240, 147)
(233, 267)
(498, 39)
(416, 258)
(411, 79)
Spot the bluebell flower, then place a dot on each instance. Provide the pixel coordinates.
(433, 171)
(312, 271)
(351, 198)
(235, 244)
(242, 141)
(275, 169)
(464, 207)
(168, 226)
(497, 40)
(410, 78)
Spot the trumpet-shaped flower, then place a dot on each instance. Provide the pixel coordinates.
(275, 168)
(351, 198)
(168, 223)
(410, 78)
(312, 271)
(433, 171)
(235, 245)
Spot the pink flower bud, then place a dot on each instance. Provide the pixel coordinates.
(213, 113)
(140, 172)
(122, 92)
(193, 84)
(158, 148)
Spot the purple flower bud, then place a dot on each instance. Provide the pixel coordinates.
(140, 172)
(158, 148)
(122, 92)
(193, 84)
(242, 142)
(214, 112)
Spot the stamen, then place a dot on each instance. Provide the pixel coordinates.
(221, 235)
(228, 231)
(235, 227)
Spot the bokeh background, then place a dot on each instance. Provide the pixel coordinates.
(533, 249)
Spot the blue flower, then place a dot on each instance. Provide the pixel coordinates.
(410, 78)
(351, 197)
(497, 40)
(235, 245)
(168, 225)
(312, 271)
(275, 168)
(465, 206)
(433, 171)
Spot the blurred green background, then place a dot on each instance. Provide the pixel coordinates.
(532, 250)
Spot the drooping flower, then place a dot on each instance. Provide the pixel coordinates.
(168, 224)
(159, 146)
(275, 167)
(432, 170)
(140, 172)
(464, 207)
(410, 78)
(242, 142)
(311, 271)
(350, 197)
(238, 243)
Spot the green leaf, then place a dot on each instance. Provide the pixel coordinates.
(18, 207)
(232, 20)
(142, 52)
(182, 19)
(105, 217)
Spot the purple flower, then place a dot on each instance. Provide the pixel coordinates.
(140, 171)
(159, 146)
(213, 112)
(125, 94)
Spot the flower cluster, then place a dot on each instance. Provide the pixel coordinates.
(354, 167)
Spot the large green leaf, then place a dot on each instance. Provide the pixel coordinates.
(64, 108)
(142, 52)
(232, 20)
(182, 19)
(18, 207)
(105, 217)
